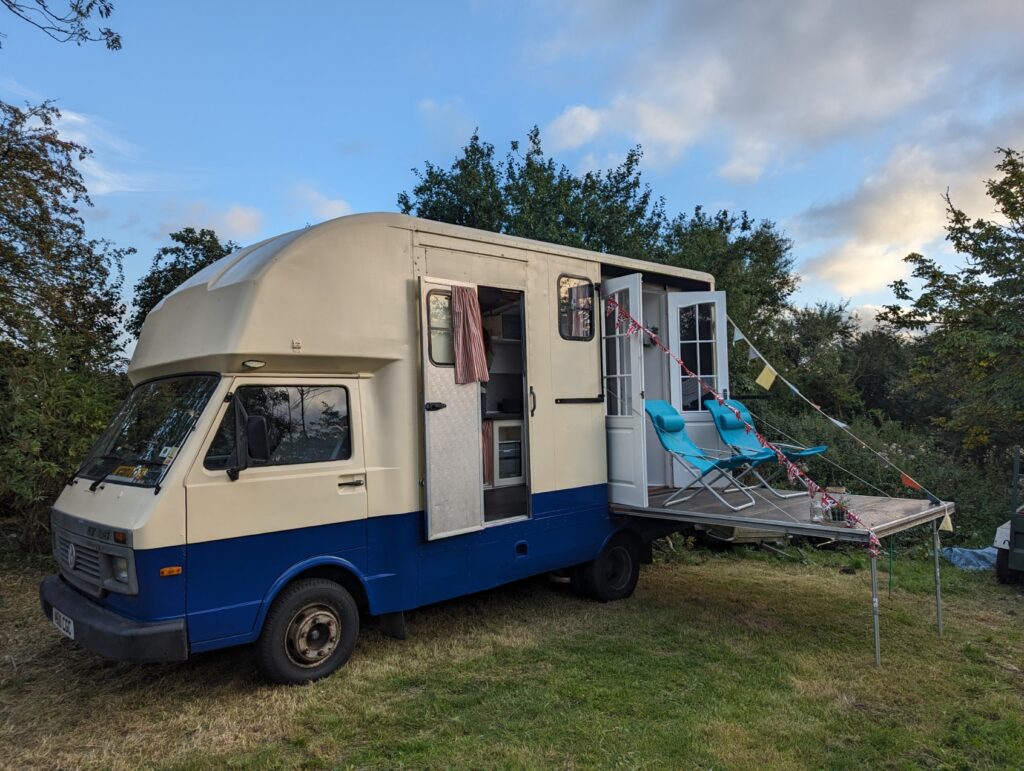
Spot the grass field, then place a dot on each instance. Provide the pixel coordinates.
(719, 661)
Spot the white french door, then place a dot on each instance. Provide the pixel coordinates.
(452, 430)
(622, 354)
(697, 334)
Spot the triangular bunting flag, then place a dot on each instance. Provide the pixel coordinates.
(947, 524)
(908, 482)
(766, 378)
(736, 334)
(839, 423)
(752, 354)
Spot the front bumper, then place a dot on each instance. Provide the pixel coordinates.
(112, 636)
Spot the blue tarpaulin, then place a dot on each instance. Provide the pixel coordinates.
(971, 559)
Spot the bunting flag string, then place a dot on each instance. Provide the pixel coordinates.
(793, 472)
(905, 478)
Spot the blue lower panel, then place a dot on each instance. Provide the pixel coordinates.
(159, 598)
(231, 581)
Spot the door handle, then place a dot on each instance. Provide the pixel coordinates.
(434, 406)
(353, 483)
(533, 401)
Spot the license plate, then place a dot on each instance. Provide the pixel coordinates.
(64, 624)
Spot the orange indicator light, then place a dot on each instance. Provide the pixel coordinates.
(173, 570)
(120, 537)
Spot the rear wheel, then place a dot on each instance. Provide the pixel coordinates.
(310, 631)
(1003, 572)
(613, 574)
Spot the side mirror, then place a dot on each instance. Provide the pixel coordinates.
(256, 439)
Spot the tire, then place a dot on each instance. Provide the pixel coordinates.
(1003, 572)
(310, 631)
(613, 574)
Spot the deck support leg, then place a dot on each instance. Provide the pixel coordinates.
(874, 610)
(938, 576)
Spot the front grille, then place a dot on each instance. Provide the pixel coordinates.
(87, 558)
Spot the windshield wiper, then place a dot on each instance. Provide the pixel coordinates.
(118, 462)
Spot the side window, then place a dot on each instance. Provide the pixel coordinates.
(305, 424)
(439, 323)
(575, 308)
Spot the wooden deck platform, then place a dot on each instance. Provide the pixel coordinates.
(791, 516)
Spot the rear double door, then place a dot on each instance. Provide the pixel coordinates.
(696, 327)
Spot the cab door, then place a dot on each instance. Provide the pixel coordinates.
(308, 499)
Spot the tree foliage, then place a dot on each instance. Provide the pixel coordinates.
(192, 251)
(611, 211)
(60, 313)
(71, 26)
(973, 318)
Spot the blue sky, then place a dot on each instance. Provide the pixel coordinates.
(843, 122)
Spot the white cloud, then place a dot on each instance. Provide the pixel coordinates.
(577, 125)
(448, 125)
(899, 208)
(777, 77)
(237, 222)
(320, 205)
(114, 165)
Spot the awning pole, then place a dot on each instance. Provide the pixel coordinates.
(874, 609)
(938, 576)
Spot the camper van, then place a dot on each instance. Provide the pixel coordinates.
(298, 453)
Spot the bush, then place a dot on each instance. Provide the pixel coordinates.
(981, 491)
(50, 414)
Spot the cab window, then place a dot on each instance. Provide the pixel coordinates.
(305, 424)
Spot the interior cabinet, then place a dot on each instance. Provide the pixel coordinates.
(508, 453)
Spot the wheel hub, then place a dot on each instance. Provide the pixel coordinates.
(313, 635)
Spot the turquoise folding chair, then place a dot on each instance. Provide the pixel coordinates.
(735, 435)
(671, 430)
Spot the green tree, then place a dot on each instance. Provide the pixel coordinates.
(71, 26)
(60, 314)
(192, 251)
(752, 261)
(531, 196)
(973, 318)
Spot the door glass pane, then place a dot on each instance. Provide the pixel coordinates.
(689, 356)
(626, 395)
(439, 322)
(691, 394)
(705, 323)
(687, 324)
(707, 358)
(611, 359)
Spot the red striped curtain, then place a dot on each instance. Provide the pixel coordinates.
(468, 337)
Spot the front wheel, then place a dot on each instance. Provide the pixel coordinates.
(310, 631)
(613, 574)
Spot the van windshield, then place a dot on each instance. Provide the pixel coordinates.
(145, 435)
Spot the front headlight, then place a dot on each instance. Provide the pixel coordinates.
(119, 569)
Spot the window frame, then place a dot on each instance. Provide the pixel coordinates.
(230, 402)
(558, 309)
(430, 338)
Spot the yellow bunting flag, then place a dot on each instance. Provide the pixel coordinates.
(947, 524)
(766, 378)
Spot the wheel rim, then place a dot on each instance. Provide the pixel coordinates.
(618, 568)
(313, 635)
